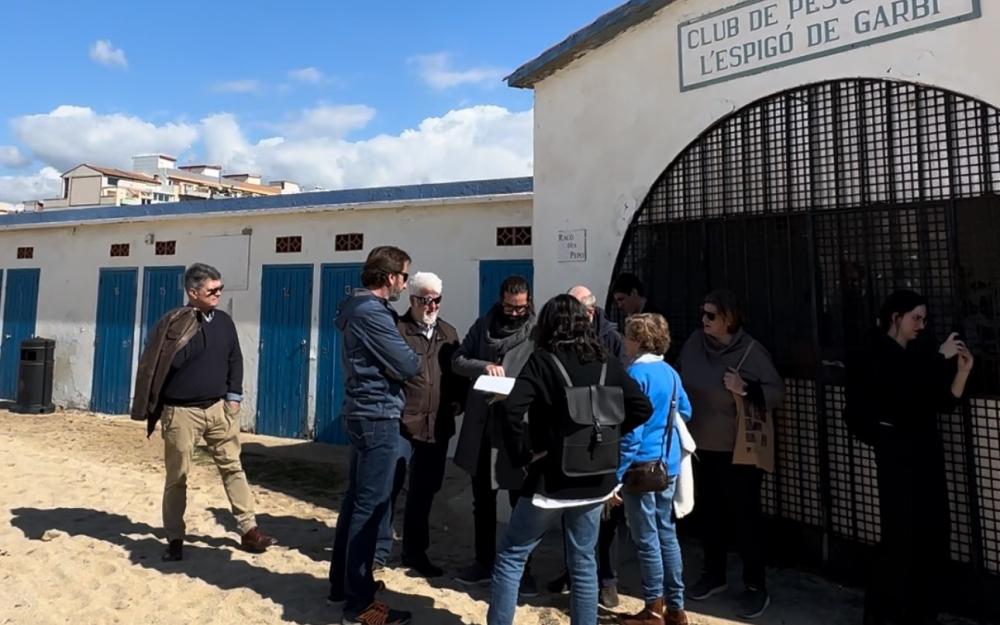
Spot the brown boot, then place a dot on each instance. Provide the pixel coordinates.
(256, 541)
(652, 614)
(675, 617)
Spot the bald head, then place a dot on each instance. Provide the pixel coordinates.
(583, 295)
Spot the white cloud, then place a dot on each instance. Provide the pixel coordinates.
(237, 86)
(103, 52)
(70, 135)
(44, 184)
(329, 121)
(437, 71)
(465, 144)
(11, 157)
(309, 75)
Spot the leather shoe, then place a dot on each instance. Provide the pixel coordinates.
(256, 541)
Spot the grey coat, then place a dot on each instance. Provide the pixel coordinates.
(479, 349)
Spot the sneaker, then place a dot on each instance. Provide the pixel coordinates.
(560, 585)
(377, 614)
(474, 575)
(705, 587)
(174, 551)
(608, 597)
(423, 566)
(528, 587)
(753, 602)
(256, 541)
(335, 598)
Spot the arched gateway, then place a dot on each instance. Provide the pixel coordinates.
(814, 204)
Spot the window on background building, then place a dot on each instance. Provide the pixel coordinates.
(511, 236)
(25, 253)
(166, 248)
(119, 249)
(288, 245)
(350, 242)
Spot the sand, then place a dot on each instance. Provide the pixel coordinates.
(80, 541)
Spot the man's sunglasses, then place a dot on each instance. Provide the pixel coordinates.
(708, 314)
(406, 276)
(216, 291)
(427, 300)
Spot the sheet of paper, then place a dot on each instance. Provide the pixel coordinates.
(494, 385)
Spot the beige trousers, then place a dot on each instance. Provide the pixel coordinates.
(182, 428)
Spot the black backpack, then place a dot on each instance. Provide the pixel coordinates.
(592, 430)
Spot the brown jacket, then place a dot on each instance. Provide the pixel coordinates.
(170, 335)
(435, 395)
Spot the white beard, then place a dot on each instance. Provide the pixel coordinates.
(429, 319)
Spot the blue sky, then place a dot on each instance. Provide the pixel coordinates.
(332, 93)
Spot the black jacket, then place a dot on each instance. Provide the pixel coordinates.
(541, 389)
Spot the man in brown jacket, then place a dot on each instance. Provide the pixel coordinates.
(433, 398)
(190, 376)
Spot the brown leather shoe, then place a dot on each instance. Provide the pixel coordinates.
(675, 617)
(652, 614)
(174, 551)
(256, 541)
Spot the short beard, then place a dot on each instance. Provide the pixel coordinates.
(429, 319)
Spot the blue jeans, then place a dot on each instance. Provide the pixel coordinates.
(426, 463)
(374, 450)
(651, 524)
(527, 526)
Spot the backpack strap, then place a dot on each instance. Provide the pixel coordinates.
(604, 373)
(562, 369)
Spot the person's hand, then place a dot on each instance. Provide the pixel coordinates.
(615, 501)
(949, 349)
(734, 383)
(965, 359)
(232, 407)
(495, 371)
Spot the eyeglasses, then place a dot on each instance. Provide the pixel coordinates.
(706, 314)
(216, 291)
(515, 310)
(406, 276)
(426, 300)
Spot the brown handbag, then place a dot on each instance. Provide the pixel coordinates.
(651, 477)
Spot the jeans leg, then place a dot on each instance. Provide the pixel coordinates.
(642, 511)
(427, 466)
(673, 563)
(527, 526)
(377, 443)
(582, 529)
(338, 562)
(385, 536)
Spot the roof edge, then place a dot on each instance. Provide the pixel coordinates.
(602, 30)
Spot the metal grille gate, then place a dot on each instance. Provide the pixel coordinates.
(814, 204)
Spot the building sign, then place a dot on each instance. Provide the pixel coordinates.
(758, 35)
(572, 246)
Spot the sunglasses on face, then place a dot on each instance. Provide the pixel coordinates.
(706, 314)
(406, 276)
(426, 300)
(515, 310)
(216, 291)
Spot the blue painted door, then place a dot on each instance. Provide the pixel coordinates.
(162, 291)
(20, 311)
(283, 370)
(336, 281)
(492, 273)
(113, 344)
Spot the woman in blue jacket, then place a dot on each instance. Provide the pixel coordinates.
(650, 515)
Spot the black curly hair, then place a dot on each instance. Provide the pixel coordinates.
(565, 325)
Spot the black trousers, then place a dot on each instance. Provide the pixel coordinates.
(916, 532)
(728, 497)
(484, 507)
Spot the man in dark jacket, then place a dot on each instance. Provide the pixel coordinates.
(606, 331)
(377, 363)
(191, 377)
(496, 345)
(629, 294)
(433, 398)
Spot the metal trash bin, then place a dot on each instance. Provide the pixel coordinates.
(34, 379)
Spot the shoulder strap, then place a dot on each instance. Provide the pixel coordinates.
(604, 372)
(745, 355)
(562, 369)
(668, 431)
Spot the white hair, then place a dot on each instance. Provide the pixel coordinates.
(425, 281)
(588, 300)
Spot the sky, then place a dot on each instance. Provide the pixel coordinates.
(328, 93)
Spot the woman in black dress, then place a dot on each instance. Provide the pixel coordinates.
(895, 392)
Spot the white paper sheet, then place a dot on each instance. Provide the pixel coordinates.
(494, 385)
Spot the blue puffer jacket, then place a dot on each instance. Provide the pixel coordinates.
(375, 358)
(646, 443)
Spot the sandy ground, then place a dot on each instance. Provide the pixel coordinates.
(80, 540)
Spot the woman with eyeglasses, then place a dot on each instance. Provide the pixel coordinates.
(721, 365)
(895, 390)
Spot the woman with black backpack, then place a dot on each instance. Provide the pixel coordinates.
(579, 403)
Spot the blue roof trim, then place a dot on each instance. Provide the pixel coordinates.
(434, 191)
(603, 30)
